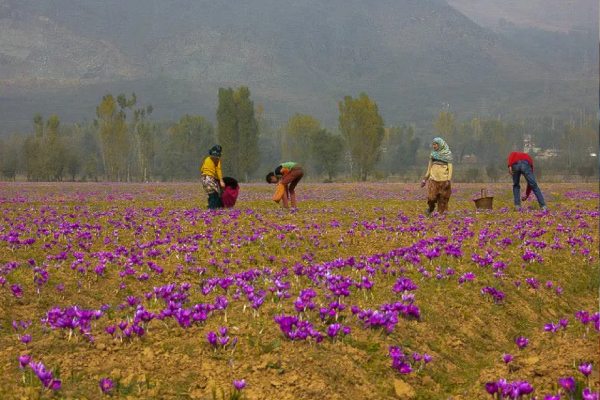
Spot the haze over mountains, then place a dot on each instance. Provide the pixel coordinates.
(411, 56)
(550, 15)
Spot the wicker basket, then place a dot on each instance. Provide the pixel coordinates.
(485, 202)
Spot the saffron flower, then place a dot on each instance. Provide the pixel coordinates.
(588, 394)
(106, 385)
(507, 358)
(585, 368)
(512, 390)
(16, 291)
(45, 376)
(567, 383)
(239, 384)
(24, 360)
(26, 338)
(491, 387)
(521, 342)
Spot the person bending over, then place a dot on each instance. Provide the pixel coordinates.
(286, 176)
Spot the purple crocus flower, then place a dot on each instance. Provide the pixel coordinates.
(491, 387)
(585, 368)
(583, 316)
(211, 337)
(16, 291)
(24, 360)
(507, 358)
(524, 388)
(239, 384)
(45, 376)
(588, 394)
(567, 383)
(427, 358)
(522, 342)
(552, 397)
(106, 385)
(559, 290)
(466, 277)
(333, 330)
(26, 338)
(404, 368)
(55, 384)
(563, 322)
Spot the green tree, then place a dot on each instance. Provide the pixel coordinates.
(460, 137)
(362, 127)
(54, 150)
(143, 133)
(237, 132)
(401, 146)
(38, 123)
(579, 141)
(90, 152)
(445, 125)
(298, 135)
(269, 141)
(247, 150)
(34, 152)
(186, 146)
(494, 144)
(9, 158)
(327, 151)
(113, 137)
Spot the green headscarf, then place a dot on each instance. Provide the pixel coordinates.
(443, 153)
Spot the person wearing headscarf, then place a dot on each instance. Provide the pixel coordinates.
(286, 176)
(212, 177)
(438, 176)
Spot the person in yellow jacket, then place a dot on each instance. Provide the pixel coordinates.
(438, 176)
(212, 177)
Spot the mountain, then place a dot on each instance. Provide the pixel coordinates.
(37, 50)
(411, 56)
(548, 15)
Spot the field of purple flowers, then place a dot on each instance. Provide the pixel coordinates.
(138, 291)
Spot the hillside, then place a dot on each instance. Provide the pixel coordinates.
(60, 56)
(550, 15)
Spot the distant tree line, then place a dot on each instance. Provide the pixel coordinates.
(123, 143)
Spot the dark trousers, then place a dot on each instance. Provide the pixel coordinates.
(523, 168)
(214, 201)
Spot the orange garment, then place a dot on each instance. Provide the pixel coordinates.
(279, 192)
